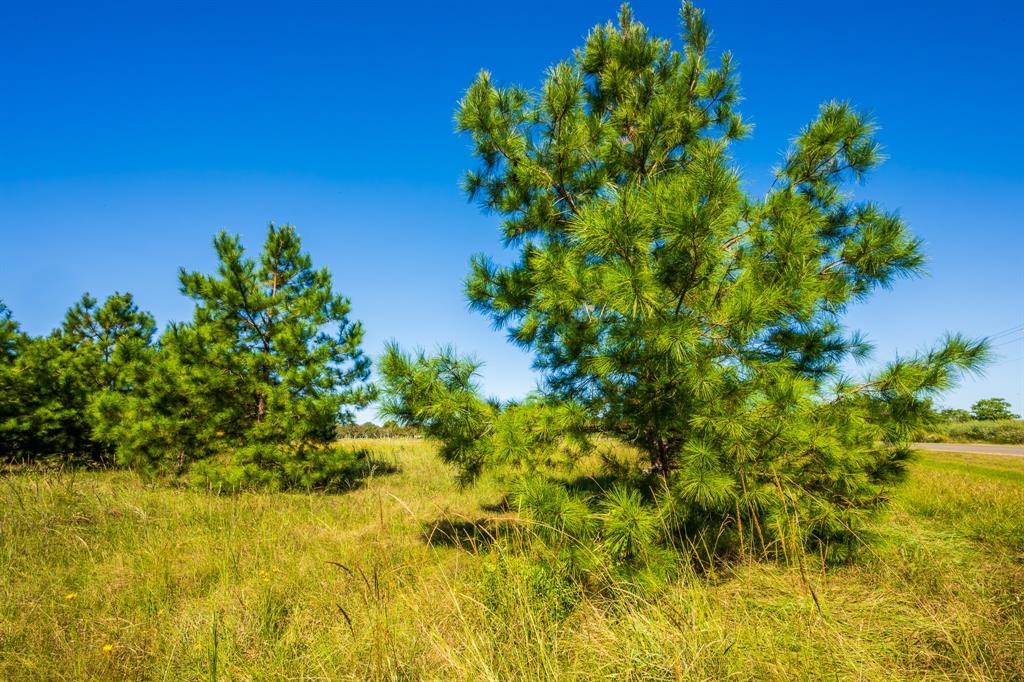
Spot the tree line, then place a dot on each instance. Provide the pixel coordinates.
(986, 409)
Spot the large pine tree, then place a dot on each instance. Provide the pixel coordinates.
(668, 308)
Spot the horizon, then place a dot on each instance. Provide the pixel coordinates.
(139, 133)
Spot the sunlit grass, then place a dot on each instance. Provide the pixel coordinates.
(104, 576)
(982, 496)
(1007, 431)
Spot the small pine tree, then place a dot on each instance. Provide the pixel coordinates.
(672, 311)
(253, 388)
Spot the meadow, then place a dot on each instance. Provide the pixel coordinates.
(1003, 431)
(105, 575)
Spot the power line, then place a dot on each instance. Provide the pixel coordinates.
(1011, 330)
(1008, 342)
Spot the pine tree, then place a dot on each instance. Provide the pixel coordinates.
(11, 343)
(51, 381)
(100, 341)
(10, 335)
(677, 313)
(254, 386)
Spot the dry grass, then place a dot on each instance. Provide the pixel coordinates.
(103, 576)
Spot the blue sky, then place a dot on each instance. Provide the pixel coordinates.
(130, 133)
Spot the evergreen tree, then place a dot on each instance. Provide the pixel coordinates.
(101, 341)
(668, 308)
(10, 335)
(51, 381)
(255, 385)
(12, 341)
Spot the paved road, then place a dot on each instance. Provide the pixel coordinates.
(1013, 450)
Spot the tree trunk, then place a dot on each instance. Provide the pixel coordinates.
(661, 463)
(261, 406)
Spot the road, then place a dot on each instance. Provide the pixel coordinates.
(981, 449)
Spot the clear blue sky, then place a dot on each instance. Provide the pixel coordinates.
(130, 134)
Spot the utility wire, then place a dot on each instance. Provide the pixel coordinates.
(1011, 330)
(1008, 342)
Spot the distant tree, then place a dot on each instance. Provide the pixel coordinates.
(990, 409)
(668, 308)
(389, 429)
(252, 388)
(954, 415)
(54, 379)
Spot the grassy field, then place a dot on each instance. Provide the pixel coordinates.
(104, 576)
(1003, 431)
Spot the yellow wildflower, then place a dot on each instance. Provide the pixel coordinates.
(108, 648)
(71, 595)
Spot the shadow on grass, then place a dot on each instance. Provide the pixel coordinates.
(471, 535)
(366, 466)
(372, 467)
(502, 506)
(596, 486)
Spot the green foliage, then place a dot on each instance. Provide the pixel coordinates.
(992, 409)
(10, 335)
(327, 468)
(389, 429)
(1003, 431)
(256, 383)
(50, 383)
(952, 414)
(12, 341)
(438, 394)
(672, 311)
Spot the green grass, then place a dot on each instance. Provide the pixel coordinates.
(182, 585)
